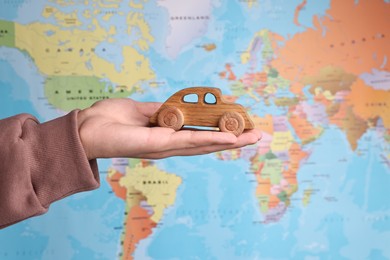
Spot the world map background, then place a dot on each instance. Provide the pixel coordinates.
(315, 78)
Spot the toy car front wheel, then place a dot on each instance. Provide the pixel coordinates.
(232, 122)
(171, 117)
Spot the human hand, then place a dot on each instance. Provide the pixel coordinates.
(120, 128)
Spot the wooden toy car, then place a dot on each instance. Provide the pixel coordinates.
(202, 106)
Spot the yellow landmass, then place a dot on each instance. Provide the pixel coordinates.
(48, 11)
(113, 4)
(209, 47)
(63, 2)
(252, 3)
(246, 56)
(328, 95)
(111, 32)
(158, 187)
(87, 14)
(63, 19)
(281, 141)
(229, 155)
(270, 89)
(138, 5)
(324, 93)
(142, 44)
(136, 20)
(68, 52)
(111, 172)
(107, 17)
(306, 197)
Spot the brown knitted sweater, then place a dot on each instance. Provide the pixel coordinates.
(39, 164)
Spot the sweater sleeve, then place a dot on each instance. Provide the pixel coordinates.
(39, 164)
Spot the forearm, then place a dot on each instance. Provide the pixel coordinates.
(39, 164)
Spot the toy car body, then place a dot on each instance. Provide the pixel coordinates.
(179, 111)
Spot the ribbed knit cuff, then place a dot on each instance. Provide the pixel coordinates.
(59, 165)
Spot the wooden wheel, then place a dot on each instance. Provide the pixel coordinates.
(232, 122)
(171, 117)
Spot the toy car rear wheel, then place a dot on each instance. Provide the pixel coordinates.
(171, 117)
(232, 122)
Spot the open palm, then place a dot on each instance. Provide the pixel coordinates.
(120, 128)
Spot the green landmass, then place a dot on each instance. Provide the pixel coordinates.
(278, 82)
(273, 73)
(270, 156)
(387, 137)
(283, 196)
(267, 50)
(7, 33)
(132, 163)
(263, 201)
(286, 101)
(72, 92)
(273, 168)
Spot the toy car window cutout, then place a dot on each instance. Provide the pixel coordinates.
(190, 98)
(210, 99)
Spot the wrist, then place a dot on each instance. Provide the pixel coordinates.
(82, 117)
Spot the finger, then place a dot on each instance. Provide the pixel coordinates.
(188, 151)
(140, 141)
(160, 139)
(192, 138)
(195, 138)
(129, 141)
(148, 108)
(256, 132)
(244, 140)
(159, 142)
